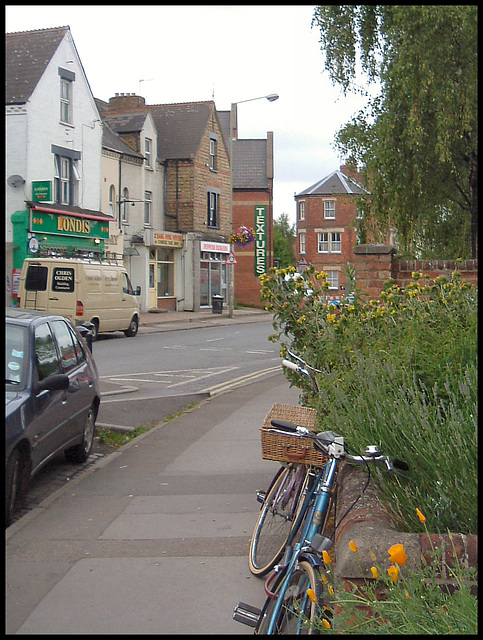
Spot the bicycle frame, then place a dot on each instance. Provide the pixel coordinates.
(314, 519)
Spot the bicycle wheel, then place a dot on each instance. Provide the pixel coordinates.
(303, 603)
(276, 519)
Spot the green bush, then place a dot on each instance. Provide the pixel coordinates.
(399, 372)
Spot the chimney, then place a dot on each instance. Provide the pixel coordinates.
(126, 101)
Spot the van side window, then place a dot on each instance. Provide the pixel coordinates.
(68, 353)
(36, 278)
(47, 361)
(126, 285)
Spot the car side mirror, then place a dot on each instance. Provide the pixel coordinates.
(138, 291)
(56, 382)
(87, 330)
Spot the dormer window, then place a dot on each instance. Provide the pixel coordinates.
(148, 152)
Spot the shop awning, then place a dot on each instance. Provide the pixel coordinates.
(63, 209)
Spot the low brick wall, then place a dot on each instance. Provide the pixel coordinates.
(369, 525)
(375, 264)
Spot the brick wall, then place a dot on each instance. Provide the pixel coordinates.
(375, 264)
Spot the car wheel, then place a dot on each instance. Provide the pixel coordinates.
(133, 327)
(81, 452)
(12, 484)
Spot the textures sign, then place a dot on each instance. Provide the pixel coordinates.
(260, 240)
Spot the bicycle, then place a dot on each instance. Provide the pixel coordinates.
(279, 519)
(297, 596)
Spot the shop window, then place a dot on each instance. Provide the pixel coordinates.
(165, 272)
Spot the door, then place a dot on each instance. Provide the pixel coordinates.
(62, 291)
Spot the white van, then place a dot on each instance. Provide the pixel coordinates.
(83, 290)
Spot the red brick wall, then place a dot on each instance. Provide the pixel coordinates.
(247, 284)
(375, 264)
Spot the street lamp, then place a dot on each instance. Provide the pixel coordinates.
(271, 97)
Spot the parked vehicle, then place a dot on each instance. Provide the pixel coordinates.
(82, 290)
(52, 397)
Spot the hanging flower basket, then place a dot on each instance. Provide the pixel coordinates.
(242, 237)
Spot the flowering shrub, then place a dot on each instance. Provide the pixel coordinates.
(243, 236)
(395, 601)
(400, 371)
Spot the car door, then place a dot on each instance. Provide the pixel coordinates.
(81, 391)
(48, 412)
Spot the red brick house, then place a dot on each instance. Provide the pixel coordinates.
(326, 233)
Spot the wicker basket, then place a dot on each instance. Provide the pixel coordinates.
(286, 448)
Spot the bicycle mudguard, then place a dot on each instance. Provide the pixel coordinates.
(311, 559)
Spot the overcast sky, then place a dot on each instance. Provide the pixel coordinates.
(230, 53)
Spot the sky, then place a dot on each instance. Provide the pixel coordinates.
(229, 53)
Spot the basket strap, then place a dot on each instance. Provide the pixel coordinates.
(301, 454)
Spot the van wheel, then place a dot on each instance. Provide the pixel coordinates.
(95, 329)
(133, 328)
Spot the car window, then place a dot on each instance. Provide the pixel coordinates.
(126, 284)
(81, 356)
(68, 354)
(36, 279)
(46, 358)
(15, 355)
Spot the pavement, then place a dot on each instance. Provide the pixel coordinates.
(177, 320)
(154, 537)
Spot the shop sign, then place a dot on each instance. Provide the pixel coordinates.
(42, 191)
(260, 240)
(68, 225)
(218, 247)
(164, 239)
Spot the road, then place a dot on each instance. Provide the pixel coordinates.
(157, 374)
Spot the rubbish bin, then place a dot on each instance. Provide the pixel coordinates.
(217, 304)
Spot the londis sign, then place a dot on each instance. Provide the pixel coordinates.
(53, 223)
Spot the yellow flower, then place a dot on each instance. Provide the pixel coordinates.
(352, 546)
(326, 623)
(397, 554)
(420, 516)
(373, 557)
(406, 594)
(393, 572)
(324, 579)
(311, 594)
(330, 589)
(325, 556)
(375, 575)
(331, 318)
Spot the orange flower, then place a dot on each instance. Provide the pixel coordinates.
(375, 575)
(352, 546)
(397, 554)
(325, 555)
(420, 516)
(326, 623)
(324, 579)
(393, 572)
(407, 595)
(373, 557)
(311, 594)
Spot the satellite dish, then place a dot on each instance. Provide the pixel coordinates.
(15, 181)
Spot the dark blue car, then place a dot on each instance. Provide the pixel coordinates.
(52, 397)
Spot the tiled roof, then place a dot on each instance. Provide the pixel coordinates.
(180, 127)
(27, 55)
(127, 122)
(337, 183)
(110, 140)
(250, 164)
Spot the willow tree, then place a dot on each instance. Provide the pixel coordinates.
(418, 138)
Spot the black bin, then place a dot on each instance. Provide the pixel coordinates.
(217, 304)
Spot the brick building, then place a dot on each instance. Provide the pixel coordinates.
(326, 232)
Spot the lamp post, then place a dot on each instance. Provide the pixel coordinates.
(231, 267)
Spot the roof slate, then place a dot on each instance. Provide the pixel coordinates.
(110, 140)
(125, 122)
(337, 183)
(27, 55)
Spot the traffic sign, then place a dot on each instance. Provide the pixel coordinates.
(231, 258)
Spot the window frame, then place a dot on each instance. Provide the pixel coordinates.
(148, 153)
(65, 100)
(328, 210)
(125, 198)
(213, 204)
(213, 154)
(301, 210)
(112, 200)
(328, 239)
(148, 203)
(332, 276)
(302, 243)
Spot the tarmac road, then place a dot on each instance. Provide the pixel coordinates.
(154, 537)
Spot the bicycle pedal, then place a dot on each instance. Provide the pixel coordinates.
(321, 543)
(246, 614)
(261, 495)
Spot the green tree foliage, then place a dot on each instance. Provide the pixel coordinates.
(284, 241)
(418, 139)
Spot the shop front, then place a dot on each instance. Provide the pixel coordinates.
(44, 229)
(213, 271)
(163, 266)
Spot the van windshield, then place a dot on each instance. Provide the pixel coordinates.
(126, 285)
